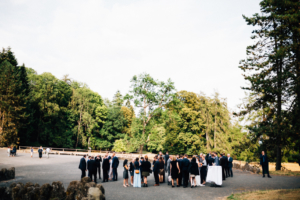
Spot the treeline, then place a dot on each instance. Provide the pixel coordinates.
(43, 110)
(272, 68)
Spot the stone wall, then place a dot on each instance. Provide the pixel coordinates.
(246, 167)
(7, 174)
(77, 190)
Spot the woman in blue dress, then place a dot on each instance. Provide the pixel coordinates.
(137, 174)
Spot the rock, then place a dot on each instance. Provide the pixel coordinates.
(246, 167)
(45, 191)
(36, 185)
(7, 174)
(5, 193)
(28, 184)
(94, 193)
(85, 180)
(11, 173)
(101, 188)
(58, 190)
(257, 170)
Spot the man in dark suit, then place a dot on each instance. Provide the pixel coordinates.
(115, 165)
(229, 166)
(92, 167)
(156, 171)
(265, 164)
(82, 166)
(224, 163)
(98, 163)
(209, 159)
(105, 168)
(185, 170)
(179, 159)
(166, 161)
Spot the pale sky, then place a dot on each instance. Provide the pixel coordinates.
(104, 43)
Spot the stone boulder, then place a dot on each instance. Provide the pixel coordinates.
(5, 193)
(101, 188)
(94, 193)
(7, 174)
(58, 190)
(45, 191)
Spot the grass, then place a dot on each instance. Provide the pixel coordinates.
(267, 194)
(282, 173)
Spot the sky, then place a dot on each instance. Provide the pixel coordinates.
(196, 43)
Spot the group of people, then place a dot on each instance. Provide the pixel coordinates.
(110, 165)
(40, 152)
(11, 151)
(178, 168)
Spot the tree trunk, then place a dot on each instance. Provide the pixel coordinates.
(278, 160)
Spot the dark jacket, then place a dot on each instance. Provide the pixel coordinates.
(193, 168)
(136, 165)
(82, 164)
(156, 167)
(166, 158)
(131, 167)
(230, 160)
(115, 162)
(146, 166)
(261, 160)
(105, 164)
(92, 167)
(210, 161)
(185, 164)
(224, 161)
(180, 164)
(98, 161)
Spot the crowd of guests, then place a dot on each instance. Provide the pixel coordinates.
(175, 169)
(110, 165)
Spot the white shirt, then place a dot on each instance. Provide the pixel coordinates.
(48, 150)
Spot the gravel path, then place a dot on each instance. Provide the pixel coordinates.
(65, 169)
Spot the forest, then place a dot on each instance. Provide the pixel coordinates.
(41, 109)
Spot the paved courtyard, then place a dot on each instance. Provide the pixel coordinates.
(65, 169)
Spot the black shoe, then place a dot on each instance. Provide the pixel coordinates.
(269, 176)
(173, 186)
(178, 185)
(263, 176)
(146, 185)
(192, 186)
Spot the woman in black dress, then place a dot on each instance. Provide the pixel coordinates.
(175, 170)
(131, 170)
(194, 171)
(125, 173)
(161, 169)
(145, 168)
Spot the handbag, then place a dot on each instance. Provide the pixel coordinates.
(137, 171)
(169, 178)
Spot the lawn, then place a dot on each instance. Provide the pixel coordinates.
(267, 194)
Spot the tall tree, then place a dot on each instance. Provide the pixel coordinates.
(151, 96)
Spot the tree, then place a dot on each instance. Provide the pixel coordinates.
(151, 96)
(268, 70)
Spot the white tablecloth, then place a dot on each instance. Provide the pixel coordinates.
(214, 174)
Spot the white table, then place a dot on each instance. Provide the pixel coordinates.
(214, 175)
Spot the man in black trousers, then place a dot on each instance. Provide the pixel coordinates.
(265, 164)
(224, 163)
(179, 160)
(93, 169)
(115, 164)
(156, 171)
(98, 163)
(185, 170)
(82, 166)
(105, 167)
